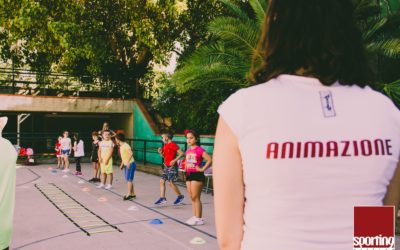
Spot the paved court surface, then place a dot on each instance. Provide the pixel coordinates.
(39, 224)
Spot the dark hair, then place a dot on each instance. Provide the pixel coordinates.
(168, 134)
(95, 133)
(76, 137)
(195, 134)
(319, 36)
(121, 137)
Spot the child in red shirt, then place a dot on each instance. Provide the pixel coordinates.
(60, 162)
(170, 171)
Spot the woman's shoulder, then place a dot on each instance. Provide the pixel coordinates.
(255, 92)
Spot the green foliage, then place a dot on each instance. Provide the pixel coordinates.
(379, 22)
(217, 68)
(115, 41)
(221, 65)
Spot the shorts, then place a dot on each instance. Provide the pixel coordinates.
(59, 155)
(107, 169)
(170, 174)
(65, 152)
(196, 176)
(130, 173)
(96, 160)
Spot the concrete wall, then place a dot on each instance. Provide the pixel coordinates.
(19, 103)
(145, 129)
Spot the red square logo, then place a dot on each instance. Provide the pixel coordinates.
(374, 228)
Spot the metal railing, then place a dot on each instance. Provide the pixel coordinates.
(145, 151)
(29, 82)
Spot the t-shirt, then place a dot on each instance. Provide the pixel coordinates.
(65, 143)
(79, 149)
(169, 152)
(107, 147)
(194, 158)
(95, 150)
(126, 153)
(310, 153)
(58, 147)
(8, 161)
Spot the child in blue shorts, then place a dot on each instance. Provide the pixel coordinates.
(128, 164)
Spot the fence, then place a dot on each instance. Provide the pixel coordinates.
(145, 151)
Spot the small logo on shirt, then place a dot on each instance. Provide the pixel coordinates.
(374, 228)
(327, 103)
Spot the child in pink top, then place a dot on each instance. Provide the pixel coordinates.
(195, 174)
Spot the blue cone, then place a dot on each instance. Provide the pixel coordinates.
(156, 222)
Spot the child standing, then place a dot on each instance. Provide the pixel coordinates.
(66, 148)
(79, 152)
(128, 164)
(106, 148)
(170, 172)
(195, 174)
(94, 157)
(57, 148)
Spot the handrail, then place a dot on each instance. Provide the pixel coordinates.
(144, 149)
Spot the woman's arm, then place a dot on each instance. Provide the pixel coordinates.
(228, 188)
(392, 196)
(208, 159)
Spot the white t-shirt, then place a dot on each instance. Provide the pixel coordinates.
(79, 149)
(8, 160)
(310, 153)
(65, 143)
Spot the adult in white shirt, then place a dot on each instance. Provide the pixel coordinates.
(66, 148)
(8, 161)
(294, 154)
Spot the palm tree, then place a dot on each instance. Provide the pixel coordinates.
(227, 60)
(379, 22)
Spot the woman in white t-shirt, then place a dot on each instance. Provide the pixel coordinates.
(294, 154)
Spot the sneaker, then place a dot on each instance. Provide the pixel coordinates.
(79, 174)
(179, 200)
(191, 220)
(108, 186)
(160, 201)
(196, 222)
(101, 185)
(129, 197)
(97, 180)
(65, 170)
(93, 180)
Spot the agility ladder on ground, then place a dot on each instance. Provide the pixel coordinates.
(87, 221)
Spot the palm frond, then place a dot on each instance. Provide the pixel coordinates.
(236, 10)
(264, 4)
(392, 90)
(365, 9)
(212, 64)
(259, 11)
(386, 47)
(233, 32)
(374, 25)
